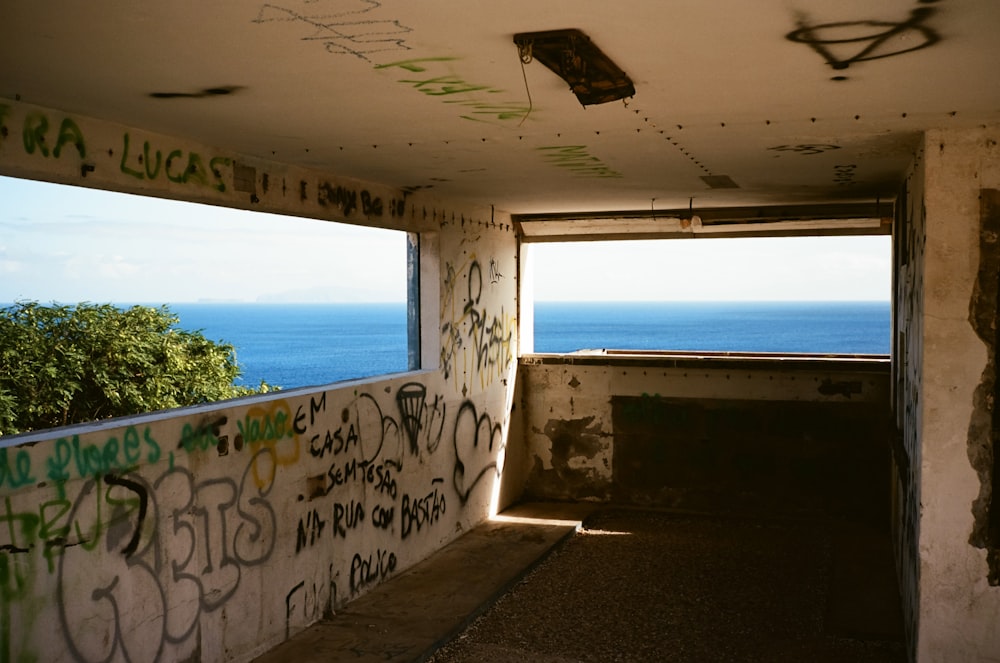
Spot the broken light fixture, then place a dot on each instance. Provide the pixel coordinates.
(591, 75)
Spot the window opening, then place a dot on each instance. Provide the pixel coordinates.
(823, 295)
(305, 302)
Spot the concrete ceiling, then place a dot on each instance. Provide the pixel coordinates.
(794, 101)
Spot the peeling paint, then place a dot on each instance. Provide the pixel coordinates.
(985, 422)
(842, 387)
(577, 447)
(572, 438)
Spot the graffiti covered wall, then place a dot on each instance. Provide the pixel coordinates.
(135, 542)
(215, 532)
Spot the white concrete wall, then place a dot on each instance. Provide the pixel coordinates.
(212, 533)
(959, 612)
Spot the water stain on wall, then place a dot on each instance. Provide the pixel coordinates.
(575, 445)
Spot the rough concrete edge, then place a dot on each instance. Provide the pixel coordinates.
(491, 600)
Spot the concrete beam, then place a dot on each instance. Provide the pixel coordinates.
(49, 145)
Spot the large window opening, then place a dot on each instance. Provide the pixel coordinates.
(817, 295)
(304, 302)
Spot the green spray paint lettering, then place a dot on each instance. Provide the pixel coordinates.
(179, 167)
(415, 65)
(266, 428)
(452, 88)
(35, 136)
(53, 530)
(577, 160)
(152, 446)
(17, 474)
(69, 134)
(445, 85)
(151, 172)
(499, 111)
(21, 533)
(50, 516)
(36, 125)
(99, 459)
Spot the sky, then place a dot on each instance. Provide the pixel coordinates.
(848, 268)
(69, 244)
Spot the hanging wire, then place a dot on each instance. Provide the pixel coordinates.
(524, 55)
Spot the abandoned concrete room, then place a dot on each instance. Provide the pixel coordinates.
(482, 131)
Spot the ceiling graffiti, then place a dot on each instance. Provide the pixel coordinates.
(432, 97)
(845, 43)
(341, 31)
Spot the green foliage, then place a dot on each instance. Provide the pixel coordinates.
(69, 364)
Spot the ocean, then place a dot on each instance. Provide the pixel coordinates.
(294, 345)
(297, 345)
(821, 327)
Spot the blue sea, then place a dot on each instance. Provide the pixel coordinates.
(297, 345)
(293, 345)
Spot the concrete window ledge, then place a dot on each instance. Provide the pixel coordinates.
(713, 360)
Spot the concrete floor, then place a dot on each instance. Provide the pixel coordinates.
(409, 617)
(630, 585)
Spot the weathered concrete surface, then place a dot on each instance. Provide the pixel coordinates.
(721, 434)
(655, 586)
(631, 585)
(409, 617)
(985, 420)
(958, 608)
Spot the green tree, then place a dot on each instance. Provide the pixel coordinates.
(61, 365)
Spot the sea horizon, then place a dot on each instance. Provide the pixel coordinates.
(297, 344)
(300, 344)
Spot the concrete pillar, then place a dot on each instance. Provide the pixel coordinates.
(957, 609)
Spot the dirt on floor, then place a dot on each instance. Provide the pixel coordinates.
(654, 586)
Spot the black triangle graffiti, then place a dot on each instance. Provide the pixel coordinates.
(836, 42)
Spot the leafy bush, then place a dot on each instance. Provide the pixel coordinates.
(61, 365)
